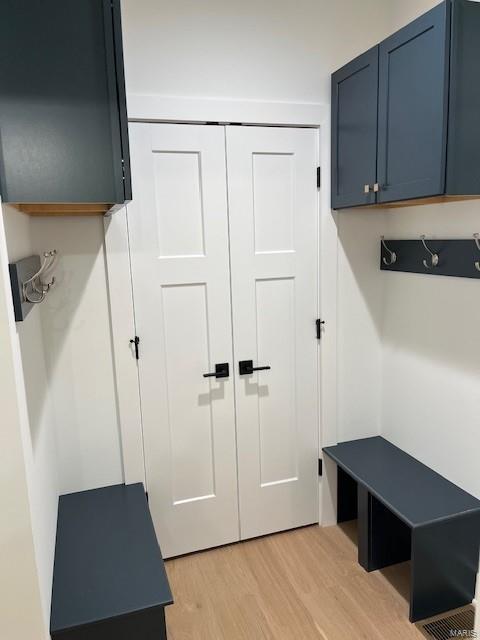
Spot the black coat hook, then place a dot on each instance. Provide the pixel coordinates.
(433, 256)
(392, 255)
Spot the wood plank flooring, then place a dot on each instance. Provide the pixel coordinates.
(299, 585)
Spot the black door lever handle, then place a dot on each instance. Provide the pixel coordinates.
(136, 342)
(246, 367)
(222, 370)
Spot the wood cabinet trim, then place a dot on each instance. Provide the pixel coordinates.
(64, 209)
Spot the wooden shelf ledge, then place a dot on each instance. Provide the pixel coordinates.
(64, 208)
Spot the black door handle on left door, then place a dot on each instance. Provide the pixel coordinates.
(246, 367)
(222, 370)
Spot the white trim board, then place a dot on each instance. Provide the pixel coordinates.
(122, 323)
(154, 108)
(250, 112)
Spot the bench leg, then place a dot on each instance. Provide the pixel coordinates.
(347, 497)
(383, 539)
(444, 565)
(364, 556)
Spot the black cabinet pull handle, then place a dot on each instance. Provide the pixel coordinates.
(222, 370)
(246, 367)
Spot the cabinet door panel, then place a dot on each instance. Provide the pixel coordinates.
(61, 86)
(413, 109)
(354, 131)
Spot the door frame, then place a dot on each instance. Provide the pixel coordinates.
(155, 108)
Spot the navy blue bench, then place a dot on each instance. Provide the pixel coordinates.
(109, 577)
(407, 511)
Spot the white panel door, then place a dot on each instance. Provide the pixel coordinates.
(273, 215)
(178, 229)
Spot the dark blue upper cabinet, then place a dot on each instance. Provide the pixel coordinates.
(463, 147)
(354, 131)
(413, 108)
(63, 118)
(428, 131)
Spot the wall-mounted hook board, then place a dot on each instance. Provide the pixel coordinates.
(20, 272)
(455, 257)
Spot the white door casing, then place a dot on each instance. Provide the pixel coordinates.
(273, 213)
(178, 229)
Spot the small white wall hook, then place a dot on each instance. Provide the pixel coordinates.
(476, 237)
(393, 256)
(433, 256)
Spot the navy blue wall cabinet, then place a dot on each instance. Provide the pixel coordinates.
(427, 133)
(109, 579)
(63, 118)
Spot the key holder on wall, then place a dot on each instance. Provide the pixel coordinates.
(31, 280)
(458, 258)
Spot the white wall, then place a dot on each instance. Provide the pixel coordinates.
(409, 344)
(71, 439)
(360, 319)
(254, 49)
(404, 11)
(431, 352)
(78, 350)
(27, 471)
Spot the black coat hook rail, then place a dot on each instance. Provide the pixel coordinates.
(459, 258)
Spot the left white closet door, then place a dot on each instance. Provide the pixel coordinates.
(178, 228)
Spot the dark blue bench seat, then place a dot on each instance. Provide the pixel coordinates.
(407, 511)
(109, 576)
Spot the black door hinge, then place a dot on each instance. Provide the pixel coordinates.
(318, 324)
(320, 467)
(319, 177)
(136, 342)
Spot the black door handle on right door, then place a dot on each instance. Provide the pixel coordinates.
(246, 367)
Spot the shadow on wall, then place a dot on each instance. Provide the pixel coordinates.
(77, 339)
(431, 352)
(409, 344)
(360, 321)
(17, 233)
(435, 316)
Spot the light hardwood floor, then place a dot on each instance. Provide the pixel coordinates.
(299, 585)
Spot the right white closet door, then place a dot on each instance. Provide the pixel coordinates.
(273, 214)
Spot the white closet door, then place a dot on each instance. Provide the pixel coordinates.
(273, 234)
(178, 229)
